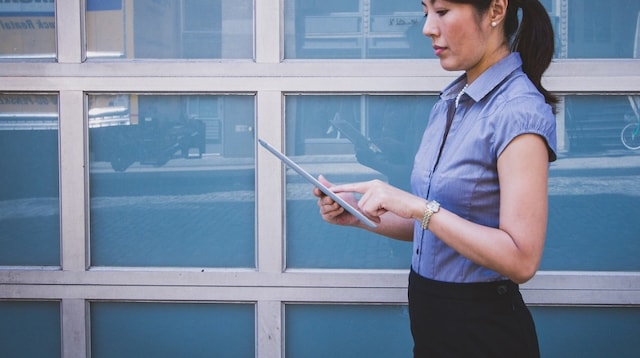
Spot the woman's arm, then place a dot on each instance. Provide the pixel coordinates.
(515, 248)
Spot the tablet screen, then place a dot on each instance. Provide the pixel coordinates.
(317, 184)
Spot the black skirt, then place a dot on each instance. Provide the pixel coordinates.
(470, 319)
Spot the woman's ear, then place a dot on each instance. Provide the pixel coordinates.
(498, 11)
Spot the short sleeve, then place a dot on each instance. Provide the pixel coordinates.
(526, 115)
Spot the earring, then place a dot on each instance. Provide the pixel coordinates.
(494, 24)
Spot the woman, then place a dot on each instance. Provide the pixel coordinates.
(477, 213)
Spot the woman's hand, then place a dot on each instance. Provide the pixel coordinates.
(330, 210)
(379, 197)
(379, 202)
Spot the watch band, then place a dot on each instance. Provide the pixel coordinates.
(432, 208)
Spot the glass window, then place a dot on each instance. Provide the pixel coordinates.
(183, 29)
(29, 194)
(27, 30)
(587, 331)
(347, 331)
(348, 138)
(599, 29)
(595, 29)
(393, 29)
(30, 329)
(129, 329)
(355, 29)
(172, 180)
(593, 187)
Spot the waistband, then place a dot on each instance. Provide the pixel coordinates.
(469, 291)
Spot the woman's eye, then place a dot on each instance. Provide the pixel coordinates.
(441, 12)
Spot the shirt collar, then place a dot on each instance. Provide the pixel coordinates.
(487, 81)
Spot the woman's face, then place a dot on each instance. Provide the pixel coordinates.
(460, 37)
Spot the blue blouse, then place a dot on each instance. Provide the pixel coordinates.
(496, 108)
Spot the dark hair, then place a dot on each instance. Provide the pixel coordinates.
(533, 38)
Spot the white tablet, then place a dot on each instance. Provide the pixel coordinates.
(317, 184)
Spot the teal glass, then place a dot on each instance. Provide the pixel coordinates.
(394, 124)
(189, 29)
(601, 29)
(172, 180)
(357, 29)
(145, 329)
(27, 30)
(29, 180)
(593, 188)
(589, 332)
(332, 330)
(30, 329)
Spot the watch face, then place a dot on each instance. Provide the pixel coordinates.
(433, 206)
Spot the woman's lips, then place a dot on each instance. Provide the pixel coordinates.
(438, 50)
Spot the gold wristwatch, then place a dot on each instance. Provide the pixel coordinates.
(432, 208)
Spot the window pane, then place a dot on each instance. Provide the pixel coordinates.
(30, 329)
(27, 30)
(347, 331)
(394, 125)
(593, 187)
(172, 330)
(188, 29)
(595, 29)
(393, 29)
(172, 180)
(29, 195)
(355, 29)
(587, 332)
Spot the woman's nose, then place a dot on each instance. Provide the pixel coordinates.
(429, 29)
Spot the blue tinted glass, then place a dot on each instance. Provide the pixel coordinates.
(190, 29)
(593, 188)
(587, 332)
(27, 30)
(172, 180)
(393, 29)
(323, 136)
(347, 331)
(595, 29)
(29, 196)
(172, 330)
(602, 29)
(30, 329)
(355, 29)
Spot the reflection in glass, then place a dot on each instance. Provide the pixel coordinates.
(348, 138)
(145, 329)
(27, 30)
(593, 187)
(184, 29)
(355, 29)
(172, 180)
(29, 195)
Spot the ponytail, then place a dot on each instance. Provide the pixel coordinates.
(533, 39)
